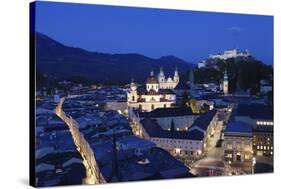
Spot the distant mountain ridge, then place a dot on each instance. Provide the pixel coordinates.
(61, 61)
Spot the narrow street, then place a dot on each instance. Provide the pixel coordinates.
(92, 170)
(212, 164)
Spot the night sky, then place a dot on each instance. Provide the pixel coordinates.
(189, 35)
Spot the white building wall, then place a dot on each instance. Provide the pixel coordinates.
(180, 147)
(168, 84)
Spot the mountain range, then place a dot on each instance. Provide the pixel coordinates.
(58, 60)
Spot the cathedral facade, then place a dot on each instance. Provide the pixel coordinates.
(157, 93)
(169, 83)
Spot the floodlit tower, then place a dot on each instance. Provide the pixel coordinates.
(133, 92)
(225, 83)
(176, 75)
(161, 76)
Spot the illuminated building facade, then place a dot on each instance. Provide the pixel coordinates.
(238, 142)
(157, 93)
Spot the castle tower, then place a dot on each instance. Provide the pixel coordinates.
(225, 83)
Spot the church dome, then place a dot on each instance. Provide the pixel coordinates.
(151, 80)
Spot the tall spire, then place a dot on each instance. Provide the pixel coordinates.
(176, 71)
(151, 73)
(161, 73)
(225, 75)
(176, 75)
(161, 76)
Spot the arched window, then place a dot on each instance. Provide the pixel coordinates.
(133, 98)
(164, 105)
(152, 107)
(140, 107)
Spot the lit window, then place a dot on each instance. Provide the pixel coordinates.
(258, 147)
(177, 150)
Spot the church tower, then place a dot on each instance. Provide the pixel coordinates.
(225, 83)
(161, 76)
(133, 92)
(176, 76)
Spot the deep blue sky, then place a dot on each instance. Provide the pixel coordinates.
(189, 35)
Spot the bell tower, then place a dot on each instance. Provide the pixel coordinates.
(161, 77)
(176, 77)
(225, 83)
(133, 92)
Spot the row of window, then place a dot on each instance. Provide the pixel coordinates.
(229, 155)
(262, 138)
(178, 147)
(177, 151)
(246, 156)
(259, 135)
(264, 147)
(264, 123)
(175, 141)
(179, 129)
(238, 146)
